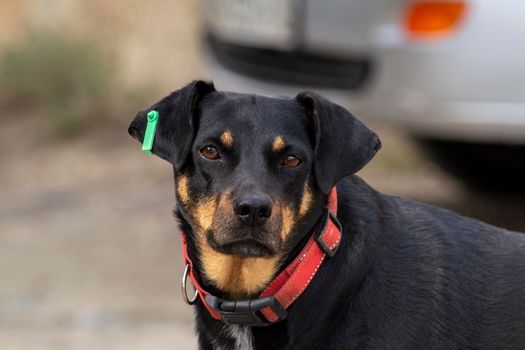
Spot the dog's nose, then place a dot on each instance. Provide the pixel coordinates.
(253, 210)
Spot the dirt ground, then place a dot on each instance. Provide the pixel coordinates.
(89, 251)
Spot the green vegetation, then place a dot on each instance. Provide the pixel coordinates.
(68, 82)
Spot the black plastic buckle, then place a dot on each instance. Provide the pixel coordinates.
(328, 216)
(246, 312)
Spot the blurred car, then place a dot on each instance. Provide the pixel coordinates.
(452, 73)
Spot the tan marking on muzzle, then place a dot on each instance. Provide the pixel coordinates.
(278, 144)
(205, 211)
(227, 138)
(289, 219)
(306, 201)
(182, 188)
(239, 277)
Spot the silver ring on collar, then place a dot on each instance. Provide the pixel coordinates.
(184, 292)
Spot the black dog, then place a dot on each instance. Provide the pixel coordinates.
(253, 175)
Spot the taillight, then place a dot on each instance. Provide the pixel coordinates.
(428, 19)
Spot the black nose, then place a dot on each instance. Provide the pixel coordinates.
(253, 210)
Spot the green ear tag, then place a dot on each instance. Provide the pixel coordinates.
(149, 135)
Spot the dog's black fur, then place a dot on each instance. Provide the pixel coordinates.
(406, 276)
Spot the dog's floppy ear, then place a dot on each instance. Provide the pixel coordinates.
(175, 128)
(343, 144)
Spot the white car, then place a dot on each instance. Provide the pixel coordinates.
(448, 71)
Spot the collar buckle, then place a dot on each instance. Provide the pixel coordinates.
(246, 312)
(319, 237)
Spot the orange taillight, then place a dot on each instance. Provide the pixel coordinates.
(431, 18)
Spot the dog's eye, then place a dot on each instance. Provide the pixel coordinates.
(291, 161)
(210, 152)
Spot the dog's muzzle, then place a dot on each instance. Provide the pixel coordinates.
(272, 303)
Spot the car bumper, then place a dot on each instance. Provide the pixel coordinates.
(474, 121)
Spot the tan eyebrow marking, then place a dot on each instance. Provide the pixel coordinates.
(227, 138)
(278, 144)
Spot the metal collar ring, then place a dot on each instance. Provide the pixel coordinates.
(184, 292)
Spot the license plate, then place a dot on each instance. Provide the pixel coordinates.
(267, 23)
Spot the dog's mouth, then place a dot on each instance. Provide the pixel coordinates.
(245, 248)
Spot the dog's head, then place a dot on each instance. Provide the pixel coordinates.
(252, 173)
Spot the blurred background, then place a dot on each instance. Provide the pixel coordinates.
(89, 252)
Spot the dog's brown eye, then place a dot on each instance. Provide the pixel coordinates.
(210, 152)
(291, 161)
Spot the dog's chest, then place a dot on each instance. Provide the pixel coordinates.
(240, 337)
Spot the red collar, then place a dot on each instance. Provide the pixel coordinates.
(272, 303)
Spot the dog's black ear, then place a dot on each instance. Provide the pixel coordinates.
(175, 128)
(343, 144)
